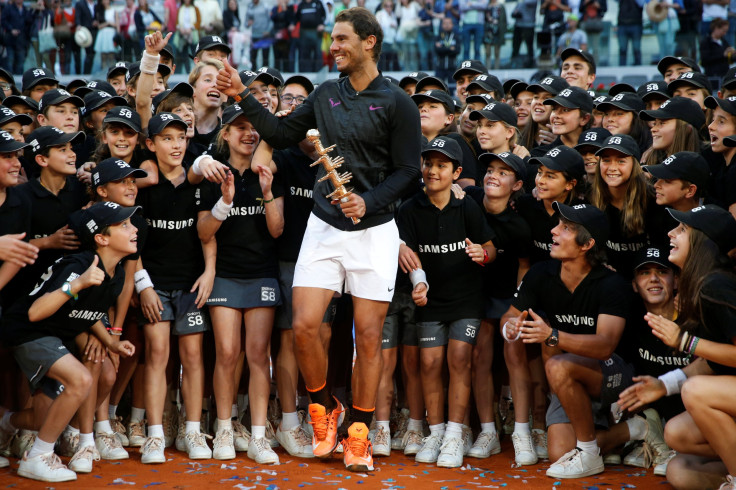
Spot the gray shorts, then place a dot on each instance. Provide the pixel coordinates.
(285, 312)
(399, 328)
(245, 293)
(617, 376)
(35, 358)
(435, 334)
(180, 308)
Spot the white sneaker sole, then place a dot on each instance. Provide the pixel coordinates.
(449, 464)
(590, 472)
(33, 476)
(154, 460)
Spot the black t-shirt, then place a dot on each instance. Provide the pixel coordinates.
(722, 181)
(621, 250)
(203, 140)
(513, 241)
(601, 292)
(298, 180)
(172, 254)
(74, 316)
(15, 217)
(645, 351)
(245, 248)
(470, 162)
(438, 237)
(718, 307)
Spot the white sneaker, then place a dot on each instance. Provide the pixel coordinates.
(171, 427)
(270, 435)
(730, 483)
(304, 421)
(223, 446)
(539, 439)
(119, 429)
(136, 434)
(397, 440)
(82, 460)
(381, 442)
(180, 442)
(467, 439)
(196, 445)
(68, 444)
(241, 436)
(638, 457)
(485, 445)
(45, 467)
(430, 449)
(296, 442)
(576, 464)
(451, 453)
(661, 468)
(152, 451)
(260, 451)
(612, 459)
(22, 443)
(524, 449)
(4, 462)
(412, 441)
(109, 446)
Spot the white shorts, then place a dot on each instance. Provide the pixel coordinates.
(364, 261)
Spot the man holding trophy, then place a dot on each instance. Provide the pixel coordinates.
(352, 242)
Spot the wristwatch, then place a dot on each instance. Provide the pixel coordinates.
(66, 288)
(553, 339)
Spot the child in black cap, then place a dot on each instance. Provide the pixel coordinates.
(570, 116)
(589, 142)
(60, 109)
(38, 81)
(675, 126)
(722, 182)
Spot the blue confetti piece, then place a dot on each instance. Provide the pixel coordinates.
(153, 483)
(557, 484)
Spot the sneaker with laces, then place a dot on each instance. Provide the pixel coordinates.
(152, 451)
(223, 446)
(430, 449)
(171, 427)
(45, 467)
(485, 445)
(196, 445)
(467, 439)
(22, 443)
(304, 422)
(638, 456)
(397, 440)
(381, 442)
(576, 464)
(296, 442)
(119, 430)
(181, 435)
(451, 452)
(241, 436)
(82, 460)
(524, 449)
(358, 449)
(136, 433)
(109, 446)
(539, 440)
(324, 425)
(412, 441)
(661, 468)
(68, 444)
(271, 434)
(259, 450)
(729, 484)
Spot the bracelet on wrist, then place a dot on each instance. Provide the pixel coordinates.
(269, 200)
(242, 95)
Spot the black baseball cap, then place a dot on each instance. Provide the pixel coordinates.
(93, 85)
(600, 100)
(88, 222)
(684, 165)
(210, 42)
(677, 108)
(248, 77)
(7, 115)
(594, 137)
(622, 143)
(112, 169)
(589, 217)
(717, 224)
(34, 76)
(728, 81)
(430, 80)
(161, 121)
(124, 115)
(572, 98)
(119, 68)
(181, 88)
(412, 77)
(231, 113)
(730, 141)
(278, 78)
(166, 51)
(496, 111)
(691, 78)
(588, 57)
(8, 143)
(300, 80)
(515, 162)
(728, 104)
(21, 99)
(97, 98)
(473, 66)
(488, 83)
(135, 69)
(668, 61)
(621, 88)
(484, 98)
(507, 84)
(5, 74)
(50, 136)
(625, 101)
(516, 89)
(75, 84)
(437, 95)
(653, 255)
(58, 96)
(552, 84)
(447, 146)
(562, 159)
(653, 88)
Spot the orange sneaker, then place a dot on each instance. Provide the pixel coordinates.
(324, 440)
(358, 449)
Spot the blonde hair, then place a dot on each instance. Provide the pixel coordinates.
(635, 199)
(202, 64)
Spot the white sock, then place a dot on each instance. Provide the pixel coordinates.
(437, 430)
(637, 428)
(40, 447)
(103, 426)
(384, 424)
(224, 424)
(86, 440)
(415, 425)
(234, 411)
(5, 422)
(522, 428)
(71, 430)
(454, 430)
(137, 414)
(289, 420)
(112, 411)
(191, 426)
(590, 447)
(488, 427)
(156, 431)
(258, 431)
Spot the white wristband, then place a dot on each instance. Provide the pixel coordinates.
(506, 337)
(142, 280)
(149, 63)
(220, 210)
(195, 165)
(418, 276)
(673, 381)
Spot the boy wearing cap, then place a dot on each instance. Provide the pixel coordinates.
(465, 73)
(38, 81)
(681, 180)
(446, 233)
(722, 182)
(15, 124)
(60, 109)
(409, 82)
(578, 68)
(486, 84)
(211, 48)
(585, 307)
(653, 93)
(116, 77)
(589, 142)
(71, 299)
(20, 104)
(571, 115)
(672, 67)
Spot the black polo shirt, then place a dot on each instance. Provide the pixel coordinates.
(15, 217)
(513, 242)
(245, 248)
(601, 292)
(298, 180)
(74, 316)
(438, 237)
(203, 140)
(718, 321)
(172, 252)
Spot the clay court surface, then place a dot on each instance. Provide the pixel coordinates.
(397, 471)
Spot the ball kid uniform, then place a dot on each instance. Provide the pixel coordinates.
(15, 218)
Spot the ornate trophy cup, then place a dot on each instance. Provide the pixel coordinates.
(330, 164)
